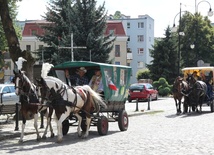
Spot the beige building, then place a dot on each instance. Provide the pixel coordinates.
(117, 56)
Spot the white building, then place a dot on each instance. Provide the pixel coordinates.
(140, 32)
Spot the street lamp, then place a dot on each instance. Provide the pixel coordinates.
(174, 29)
(210, 12)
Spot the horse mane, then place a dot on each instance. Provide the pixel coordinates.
(58, 81)
(32, 86)
(45, 69)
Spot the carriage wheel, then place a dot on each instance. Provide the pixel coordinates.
(123, 120)
(211, 106)
(102, 125)
(65, 127)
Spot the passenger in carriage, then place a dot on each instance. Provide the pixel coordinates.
(96, 82)
(195, 75)
(79, 78)
(202, 77)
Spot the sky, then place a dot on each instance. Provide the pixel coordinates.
(162, 11)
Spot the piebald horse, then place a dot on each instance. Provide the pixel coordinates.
(69, 100)
(30, 106)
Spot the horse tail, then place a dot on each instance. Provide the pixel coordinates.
(96, 97)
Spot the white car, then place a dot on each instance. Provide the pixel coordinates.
(8, 95)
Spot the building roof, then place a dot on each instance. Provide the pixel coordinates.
(115, 26)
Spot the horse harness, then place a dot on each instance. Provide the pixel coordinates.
(79, 91)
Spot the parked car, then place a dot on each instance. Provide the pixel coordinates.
(142, 91)
(7, 94)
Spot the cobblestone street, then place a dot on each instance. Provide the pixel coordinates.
(154, 132)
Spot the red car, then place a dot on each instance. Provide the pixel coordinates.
(142, 91)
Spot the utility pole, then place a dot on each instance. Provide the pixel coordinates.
(72, 47)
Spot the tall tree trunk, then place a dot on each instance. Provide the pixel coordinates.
(13, 42)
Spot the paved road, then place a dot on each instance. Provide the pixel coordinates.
(158, 131)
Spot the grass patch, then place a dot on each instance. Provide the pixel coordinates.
(154, 112)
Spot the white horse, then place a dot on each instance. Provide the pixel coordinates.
(66, 100)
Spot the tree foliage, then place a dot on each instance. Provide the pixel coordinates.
(198, 31)
(88, 25)
(165, 58)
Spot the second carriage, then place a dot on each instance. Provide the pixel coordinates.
(206, 74)
(117, 75)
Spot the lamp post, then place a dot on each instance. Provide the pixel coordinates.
(210, 12)
(174, 29)
(179, 42)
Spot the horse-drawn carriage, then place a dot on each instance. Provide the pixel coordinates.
(79, 104)
(202, 88)
(117, 75)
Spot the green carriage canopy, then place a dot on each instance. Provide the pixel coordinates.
(117, 75)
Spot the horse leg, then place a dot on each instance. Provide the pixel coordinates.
(179, 106)
(49, 120)
(36, 126)
(79, 124)
(23, 127)
(48, 116)
(88, 121)
(59, 125)
(176, 105)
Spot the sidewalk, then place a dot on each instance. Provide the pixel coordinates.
(7, 129)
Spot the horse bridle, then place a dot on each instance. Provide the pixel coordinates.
(47, 92)
(20, 88)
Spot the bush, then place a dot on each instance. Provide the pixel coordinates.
(164, 89)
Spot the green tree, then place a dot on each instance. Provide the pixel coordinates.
(165, 58)
(117, 15)
(8, 14)
(86, 22)
(198, 31)
(143, 74)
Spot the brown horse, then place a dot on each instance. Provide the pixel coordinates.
(30, 106)
(197, 93)
(68, 100)
(178, 88)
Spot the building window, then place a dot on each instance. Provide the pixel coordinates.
(117, 63)
(128, 38)
(128, 64)
(140, 25)
(140, 38)
(28, 48)
(33, 32)
(111, 32)
(140, 64)
(149, 39)
(150, 26)
(140, 50)
(40, 47)
(117, 50)
(128, 25)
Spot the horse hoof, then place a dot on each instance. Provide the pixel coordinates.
(44, 137)
(52, 135)
(59, 141)
(20, 141)
(38, 138)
